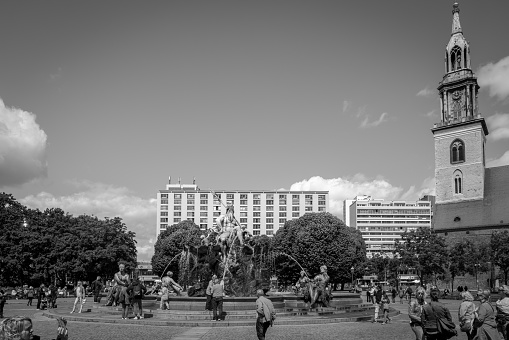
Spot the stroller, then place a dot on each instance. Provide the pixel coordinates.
(44, 303)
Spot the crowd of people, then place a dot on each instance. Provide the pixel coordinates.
(431, 320)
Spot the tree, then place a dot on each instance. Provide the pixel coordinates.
(317, 239)
(500, 251)
(170, 243)
(423, 250)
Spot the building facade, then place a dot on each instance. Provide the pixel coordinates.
(382, 223)
(261, 212)
(471, 200)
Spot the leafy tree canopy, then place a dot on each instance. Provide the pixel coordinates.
(317, 239)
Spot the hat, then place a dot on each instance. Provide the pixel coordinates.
(484, 293)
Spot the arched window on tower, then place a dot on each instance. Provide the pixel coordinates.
(458, 182)
(455, 58)
(457, 151)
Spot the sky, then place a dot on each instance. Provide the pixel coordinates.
(102, 101)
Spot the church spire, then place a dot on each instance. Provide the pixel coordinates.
(456, 26)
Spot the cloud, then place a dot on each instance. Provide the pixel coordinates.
(431, 114)
(104, 200)
(367, 124)
(341, 189)
(55, 76)
(426, 92)
(504, 160)
(22, 147)
(346, 105)
(495, 77)
(498, 125)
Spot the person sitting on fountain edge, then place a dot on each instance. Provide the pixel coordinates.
(169, 282)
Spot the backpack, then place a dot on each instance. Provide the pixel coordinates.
(137, 290)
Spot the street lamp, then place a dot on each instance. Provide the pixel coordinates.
(352, 270)
(476, 266)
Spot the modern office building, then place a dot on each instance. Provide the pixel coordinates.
(381, 222)
(263, 212)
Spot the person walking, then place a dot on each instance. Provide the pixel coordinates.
(266, 314)
(80, 297)
(138, 290)
(502, 306)
(368, 295)
(466, 315)
(30, 295)
(52, 298)
(401, 294)
(430, 313)
(385, 307)
(484, 323)
(217, 299)
(415, 312)
(97, 287)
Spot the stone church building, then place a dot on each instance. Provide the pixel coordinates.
(471, 200)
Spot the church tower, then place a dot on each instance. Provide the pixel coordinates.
(460, 136)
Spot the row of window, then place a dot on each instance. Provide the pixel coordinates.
(393, 211)
(242, 196)
(242, 209)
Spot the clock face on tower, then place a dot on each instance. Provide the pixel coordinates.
(456, 95)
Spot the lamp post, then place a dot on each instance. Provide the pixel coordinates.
(476, 266)
(352, 270)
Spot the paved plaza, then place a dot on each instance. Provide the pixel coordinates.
(45, 327)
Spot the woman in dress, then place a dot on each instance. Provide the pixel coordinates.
(80, 297)
(484, 323)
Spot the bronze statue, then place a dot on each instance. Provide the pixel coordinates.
(228, 227)
(318, 289)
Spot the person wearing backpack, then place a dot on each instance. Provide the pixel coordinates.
(436, 319)
(266, 314)
(138, 290)
(97, 287)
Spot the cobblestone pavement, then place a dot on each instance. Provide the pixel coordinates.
(398, 329)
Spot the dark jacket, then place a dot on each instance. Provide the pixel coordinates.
(378, 295)
(430, 313)
(96, 286)
(134, 284)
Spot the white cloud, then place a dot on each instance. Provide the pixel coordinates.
(346, 105)
(22, 147)
(504, 160)
(56, 75)
(104, 200)
(341, 189)
(367, 124)
(426, 92)
(495, 77)
(498, 125)
(431, 114)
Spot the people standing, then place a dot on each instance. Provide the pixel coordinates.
(2, 303)
(385, 307)
(41, 293)
(164, 298)
(430, 313)
(401, 294)
(80, 297)
(52, 299)
(97, 287)
(409, 293)
(466, 315)
(394, 293)
(368, 294)
(485, 324)
(415, 312)
(266, 314)
(502, 317)
(30, 295)
(122, 282)
(138, 290)
(208, 293)
(217, 299)
(377, 300)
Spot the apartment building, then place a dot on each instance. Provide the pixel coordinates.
(383, 222)
(262, 212)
